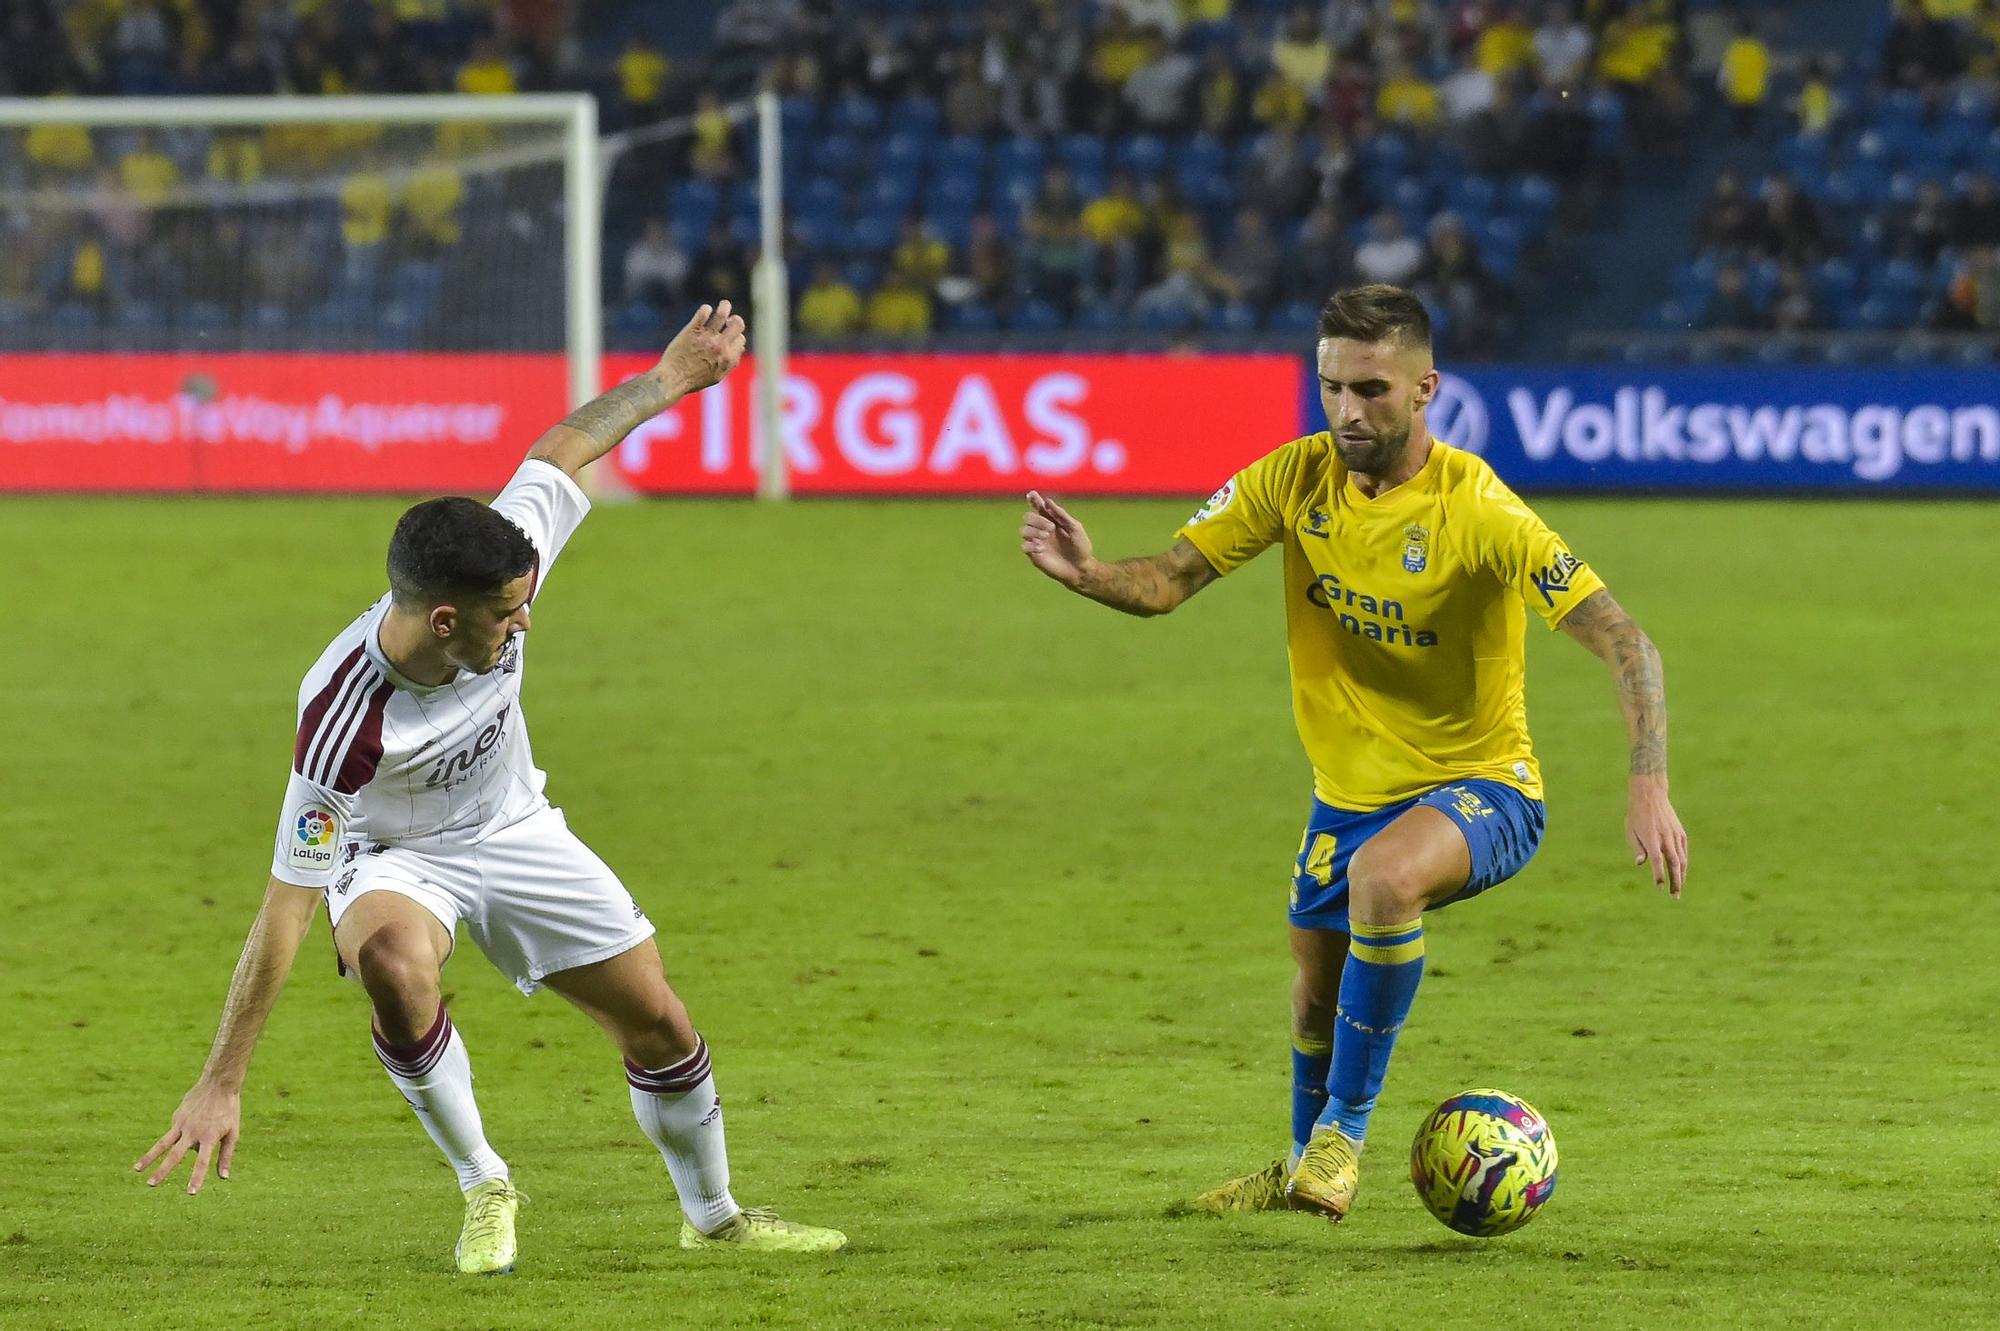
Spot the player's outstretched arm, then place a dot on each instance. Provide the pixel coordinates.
(210, 1114)
(1651, 825)
(699, 356)
(1057, 544)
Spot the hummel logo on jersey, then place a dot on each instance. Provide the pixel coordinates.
(1555, 578)
(1316, 523)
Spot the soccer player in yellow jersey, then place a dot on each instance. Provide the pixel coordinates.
(1407, 567)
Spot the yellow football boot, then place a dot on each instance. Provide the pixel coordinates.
(1261, 1191)
(759, 1229)
(486, 1243)
(1328, 1173)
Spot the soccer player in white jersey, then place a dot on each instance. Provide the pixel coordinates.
(415, 806)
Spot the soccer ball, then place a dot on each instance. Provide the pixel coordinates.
(1484, 1163)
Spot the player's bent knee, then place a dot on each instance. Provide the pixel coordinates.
(397, 967)
(1382, 891)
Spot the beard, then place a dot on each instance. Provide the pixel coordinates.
(1375, 456)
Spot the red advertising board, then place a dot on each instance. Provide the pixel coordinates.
(909, 424)
(945, 424)
(271, 422)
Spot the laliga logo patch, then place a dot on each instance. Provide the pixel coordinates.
(311, 838)
(315, 827)
(1216, 502)
(1457, 414)
(1416, 548)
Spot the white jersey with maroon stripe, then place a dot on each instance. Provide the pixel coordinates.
(384, 761)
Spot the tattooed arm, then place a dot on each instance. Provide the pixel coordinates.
(1651, 825)
(1057, 544)
(698, 357)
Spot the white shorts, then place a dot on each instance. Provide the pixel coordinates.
(534, 898)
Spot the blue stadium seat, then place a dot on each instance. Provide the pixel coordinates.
(1145, 155)
(1101, 317)
(1532, 201)
(1014, 186)
(889, 194)
(1835, 282)
(1500, 246)
(824, 195)
(695, 198)
(953, 227)
(1082, 152)
(136, 314)
(842, 155)
(1296, 317)
(855, 114)
(1472, 197)
(961, 154)
(1202, 154)
(903, 151)
(815, 231)
(864, 275)
(920, 116)
(971, 317)
(871, 234)
(1804, 156)
(1019, 155)
(1035, 316)
(1237, 317)
(956, 191)
(1411, 196)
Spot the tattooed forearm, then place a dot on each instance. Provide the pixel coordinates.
(1136, 586)
(1149, 586)
(601, 424)
(1602, 625)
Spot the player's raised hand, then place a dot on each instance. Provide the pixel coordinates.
(208, 1122)
(703, 352)
(1655, 833)
(1053, 541)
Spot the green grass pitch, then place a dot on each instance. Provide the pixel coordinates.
(977, 891)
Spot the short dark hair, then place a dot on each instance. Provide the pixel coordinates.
(447, 549)
(1376, 313)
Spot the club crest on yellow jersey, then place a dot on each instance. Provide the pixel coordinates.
(1416, 548)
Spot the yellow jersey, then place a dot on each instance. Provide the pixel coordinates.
(1404, 615)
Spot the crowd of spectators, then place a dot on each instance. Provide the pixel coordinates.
(1249, 158)
(1881, 210)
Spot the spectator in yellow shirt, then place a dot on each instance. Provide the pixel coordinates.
(829, 308)
(367, 203)
(1636, 48)
(1407, 99)
(1121, 51)
(487, 71)
(642, 76)
(711, 157)
(1816, 105)
(1279, 102)
(148, 174)
(900, 309)
(58, 149)
(1302, 55)
(1112, 225)
(920, 255)
(1745, 77)
(1507, 46)
(431, 200)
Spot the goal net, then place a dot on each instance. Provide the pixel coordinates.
(281, 293)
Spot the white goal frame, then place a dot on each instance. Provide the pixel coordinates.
(574, 113)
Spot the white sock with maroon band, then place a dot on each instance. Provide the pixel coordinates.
(682, 1115)
(435, 1076)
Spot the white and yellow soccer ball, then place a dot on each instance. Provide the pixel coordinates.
(1484, 1163)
